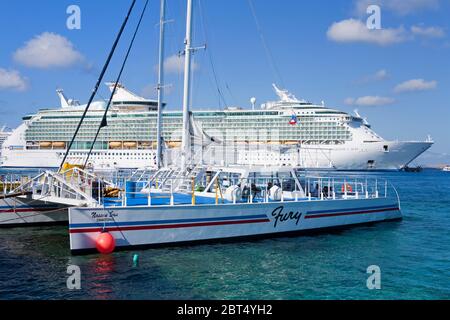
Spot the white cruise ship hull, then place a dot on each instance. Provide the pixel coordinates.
(50, 159)
(349, 156)
(366, 156)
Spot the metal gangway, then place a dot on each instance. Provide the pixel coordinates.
(73, 187)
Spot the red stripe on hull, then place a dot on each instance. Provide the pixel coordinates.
(349, 213)
(28, 210)
(172, 226)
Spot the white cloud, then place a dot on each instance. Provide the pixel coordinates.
(400, 7)
(48, 50)
(353, 30)
(415, 85)
(12, 80)
(369, 101)
(429, 32)
(175, 64)
(380, 75)
(349, 101)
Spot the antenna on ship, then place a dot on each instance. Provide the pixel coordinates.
(253, 102)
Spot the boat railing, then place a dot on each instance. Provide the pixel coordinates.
(341, 187)
(142, 174)
(160, 178)
(175, 178)
(259, 189)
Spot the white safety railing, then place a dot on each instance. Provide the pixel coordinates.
(340, 187)
(260, 189)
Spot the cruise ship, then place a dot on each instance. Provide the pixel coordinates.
(289, 131)
(4, 134)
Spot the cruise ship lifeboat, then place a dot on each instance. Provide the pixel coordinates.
(59, 145)
(146, 144)
(173, 144)
(115, 145)
(45, 144)
(130, 145)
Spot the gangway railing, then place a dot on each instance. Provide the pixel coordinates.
(74, 187)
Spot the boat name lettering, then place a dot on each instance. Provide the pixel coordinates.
(282, 216)
(102, 215)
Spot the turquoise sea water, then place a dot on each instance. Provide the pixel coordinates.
(414, 257)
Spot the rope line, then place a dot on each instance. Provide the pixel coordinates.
(204, 24)
(267, 50)
(103, 123)
(97, 85)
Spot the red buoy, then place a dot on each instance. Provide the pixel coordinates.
(105, 243)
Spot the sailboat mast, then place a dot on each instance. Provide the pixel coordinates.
(160, 84)
(185, 146)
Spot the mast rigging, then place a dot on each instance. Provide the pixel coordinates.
(97, 85)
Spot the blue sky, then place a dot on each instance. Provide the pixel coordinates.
(398, 77)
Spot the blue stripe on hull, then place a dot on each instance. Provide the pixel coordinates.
(157, 222)
(349, 210)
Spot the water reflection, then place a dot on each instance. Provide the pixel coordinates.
(100, 270)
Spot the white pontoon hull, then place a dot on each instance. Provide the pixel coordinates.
(20, 211)
(172, 225)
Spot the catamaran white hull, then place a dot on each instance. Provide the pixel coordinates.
(21, 212)
(174, 225)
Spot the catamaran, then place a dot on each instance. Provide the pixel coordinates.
(191, 202)
(223, 204)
